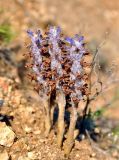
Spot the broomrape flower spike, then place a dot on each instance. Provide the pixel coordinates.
(58, 69)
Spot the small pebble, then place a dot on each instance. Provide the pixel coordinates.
(4, 155)
(27, 129)
(7, 136)
(93, 154)
(77, 155)
(81, 136)
(32, 155)
(97, 130)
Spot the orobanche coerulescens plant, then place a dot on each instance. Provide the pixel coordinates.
(61, 69)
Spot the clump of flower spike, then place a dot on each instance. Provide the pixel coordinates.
(58, 64)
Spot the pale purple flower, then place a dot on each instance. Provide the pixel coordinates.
(76, 68)
(36, 52)
(54, 32)
(76, 57)
(55, 52)
(69, 40)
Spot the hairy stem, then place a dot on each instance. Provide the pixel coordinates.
(47, 119)
(70, 135)
(61, 126)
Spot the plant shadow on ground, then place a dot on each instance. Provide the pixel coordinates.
(83, 125)
(6, 119)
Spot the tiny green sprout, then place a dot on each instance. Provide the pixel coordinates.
(115, 131)
(98, 113)
(6, 34)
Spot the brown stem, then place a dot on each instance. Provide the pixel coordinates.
(70, 136)
(47, 119)
(61, 126)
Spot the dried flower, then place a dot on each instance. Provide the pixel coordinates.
(57, 61)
